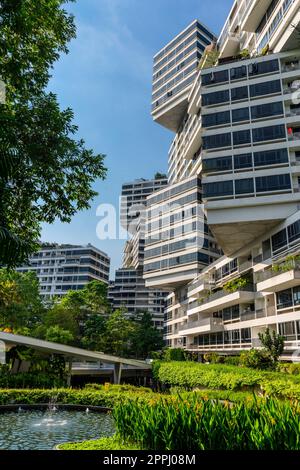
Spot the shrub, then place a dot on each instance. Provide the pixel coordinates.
(232, 360)
(117, 388)
(106, 399)
(105, 443)
(176, 354)
(289, 368)
(29, 379)
(214, 358)
(256, 359)
(190, 375)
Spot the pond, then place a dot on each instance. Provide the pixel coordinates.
(42, 430)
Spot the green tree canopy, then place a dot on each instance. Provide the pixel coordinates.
(45, 171)
(146, 338)
(119, 331)
(20, 302)
(56, 334)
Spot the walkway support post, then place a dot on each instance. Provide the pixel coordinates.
(69, 377)
(117, 372)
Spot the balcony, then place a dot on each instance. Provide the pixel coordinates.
(230, 44)
(255, 10)
(222, 299)
(280, 277)
(206, 325)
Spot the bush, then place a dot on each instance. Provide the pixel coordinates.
(257, 359)
(105, 443)
(190, 376)
(29, 379)
(117, 388)
(174, 354)
(106, 399)
(181, 424)
(289, 368)
(232, 360)
(214, 358)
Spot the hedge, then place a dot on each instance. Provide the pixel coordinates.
(105, 443)
(190, 375)
(104, 398)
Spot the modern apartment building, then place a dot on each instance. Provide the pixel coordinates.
(240, 138)
(128, 291)
(174, 70)
(133, 200)
(61, 268)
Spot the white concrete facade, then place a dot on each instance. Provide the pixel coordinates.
(240, 136)
(60, 268)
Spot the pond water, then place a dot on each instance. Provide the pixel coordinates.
(42, 430)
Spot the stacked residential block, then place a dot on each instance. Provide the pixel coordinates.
(234, 182)
(60, 268)
(128, 290)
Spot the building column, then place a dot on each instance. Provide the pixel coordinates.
(69, 372)
(117, 372)
(2, 352)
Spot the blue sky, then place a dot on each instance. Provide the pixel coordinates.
(106, 80)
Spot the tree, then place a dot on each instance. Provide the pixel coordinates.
(146, 338)
(63, 318)
(45, 172)
(20, 302)
(56, 334)
(95, 297)
(273, 343)
(94, 331)
(160, 176)
(119, 331)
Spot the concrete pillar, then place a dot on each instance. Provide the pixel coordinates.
(69, 377)
(117, 372)
(2, 352)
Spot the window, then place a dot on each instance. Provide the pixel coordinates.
(215, 98)
(257, 68)
(268, 133)
(235, 336)
(266, 88)
(296, 295)
(220, 188)
(240, 93)
(217, 164)
(273, 183)
(242, 161)
(217, 141)
(216, 119)
(241, 114)
(238, 72)
(244, 186)
(294, 231)
(266, 110)
(271, 157)
(215, 77)
(279, 240)
(246, 335)
(241, 137)
(284, 299)
(287, 330)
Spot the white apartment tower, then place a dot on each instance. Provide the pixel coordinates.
(60, 268)
(239, 136)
